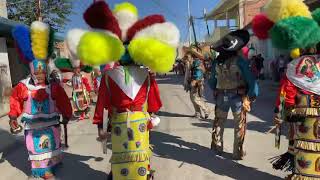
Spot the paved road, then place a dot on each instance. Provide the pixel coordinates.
(181, 143)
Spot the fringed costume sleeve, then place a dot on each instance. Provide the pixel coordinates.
(62, 100)
(154, 100)
(253, 89)
(213, 79)
(102, 103)
(187, 75)
(17, 98)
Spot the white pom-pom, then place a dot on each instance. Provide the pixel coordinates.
(125, 19)
(155, 121)
(73, 39)
(39, 26)
(166, 32)
(75, 63)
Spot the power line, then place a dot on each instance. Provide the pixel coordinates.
(174, 15)
(187, 33)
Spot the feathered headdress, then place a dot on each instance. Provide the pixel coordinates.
(119, 35)
(34, 44)
(289, 24)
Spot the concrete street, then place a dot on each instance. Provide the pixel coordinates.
(181, 144)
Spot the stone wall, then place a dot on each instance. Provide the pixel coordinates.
(3, 8)
(5, 80)
(252, 8)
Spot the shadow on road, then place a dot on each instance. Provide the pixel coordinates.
(262, 108)
(169, 114)
(252, 125)
(193, 153)
(73, 167)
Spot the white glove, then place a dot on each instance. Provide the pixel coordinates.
(155, 121)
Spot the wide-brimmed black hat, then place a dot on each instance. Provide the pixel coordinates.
(234, 41)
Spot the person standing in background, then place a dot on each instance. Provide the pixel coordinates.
(235, 87)
(194, 82)
(81, 93)
(96, 76)
(260, 67)
(281, 61)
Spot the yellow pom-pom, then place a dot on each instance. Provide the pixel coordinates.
(295, 53)
(40, 39)
(156, 55)
(96, 48)
(280, 9)
(126, 6)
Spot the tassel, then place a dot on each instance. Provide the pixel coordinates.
(283, 162)
(131, 157)
(42, 172)
(300, 177)
(305, 111)
(310, 146)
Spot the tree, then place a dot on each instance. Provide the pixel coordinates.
(53, 12)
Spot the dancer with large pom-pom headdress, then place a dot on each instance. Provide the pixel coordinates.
(79, 83)
(127, 90)
(291, 26)
(39, 99)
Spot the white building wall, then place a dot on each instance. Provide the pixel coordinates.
(5, 78)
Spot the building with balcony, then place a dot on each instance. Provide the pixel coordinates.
(242, 13)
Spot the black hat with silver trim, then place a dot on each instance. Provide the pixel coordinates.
(234, 41)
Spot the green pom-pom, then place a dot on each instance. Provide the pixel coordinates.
(156, 55)
(316, 15)
(295, 32)
(96, 48)
(63, 64)
(87, 69)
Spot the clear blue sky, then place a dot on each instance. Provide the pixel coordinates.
(174, 10)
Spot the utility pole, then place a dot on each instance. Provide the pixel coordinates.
(189, 22)
(193, 30)
(205, 19)
(5, 77)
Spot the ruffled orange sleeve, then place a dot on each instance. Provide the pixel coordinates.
(290, 91)
(86, 84)
(18, 96)
(103, 102)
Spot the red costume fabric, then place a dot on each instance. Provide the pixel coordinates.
(119, 100)
(20, 94)
(86, 84)
(261, 25)
(290, 92)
